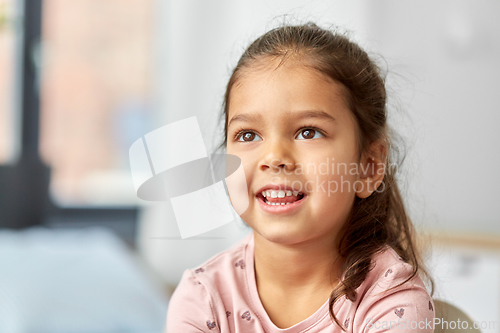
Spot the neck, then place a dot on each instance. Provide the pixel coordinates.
(298, 268)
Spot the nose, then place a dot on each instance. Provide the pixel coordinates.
(277, 156)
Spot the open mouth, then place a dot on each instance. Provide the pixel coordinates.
(273, 200)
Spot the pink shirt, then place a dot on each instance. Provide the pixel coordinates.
(221, 296)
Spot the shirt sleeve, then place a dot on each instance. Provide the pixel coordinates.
(407, 308)
(190, 308)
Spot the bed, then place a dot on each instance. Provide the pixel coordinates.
(81, 280)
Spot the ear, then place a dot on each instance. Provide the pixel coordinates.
(372, 170)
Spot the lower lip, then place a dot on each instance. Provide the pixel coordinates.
(281, 209)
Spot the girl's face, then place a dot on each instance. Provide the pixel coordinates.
(292, 129)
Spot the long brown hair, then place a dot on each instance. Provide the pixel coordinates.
(380, 219)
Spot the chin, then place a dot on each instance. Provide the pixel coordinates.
(280, 235)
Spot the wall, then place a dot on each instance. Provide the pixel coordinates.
(442, 62)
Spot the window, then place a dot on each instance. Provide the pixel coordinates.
(7, 68)
(95, 96)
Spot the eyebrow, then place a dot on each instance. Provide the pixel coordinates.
(315, 114)
(255, 117)
(245, 117)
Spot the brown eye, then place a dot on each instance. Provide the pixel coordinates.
(309, 133)
(248, 136)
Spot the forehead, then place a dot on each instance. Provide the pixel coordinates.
(277, 93)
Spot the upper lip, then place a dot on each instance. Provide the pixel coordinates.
(276, 187)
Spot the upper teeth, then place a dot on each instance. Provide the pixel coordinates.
(278, 194)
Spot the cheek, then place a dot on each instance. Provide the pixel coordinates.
(246, 172)
(333, 204)
(334, 180)
(248, 158)
(333, 189)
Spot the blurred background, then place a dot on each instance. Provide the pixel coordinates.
(81, 80)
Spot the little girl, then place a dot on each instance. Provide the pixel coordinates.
(332, 248)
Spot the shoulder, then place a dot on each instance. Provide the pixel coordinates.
(190, 308)
(195, 303)
(222, 269)
(388, 271)
(384, 297)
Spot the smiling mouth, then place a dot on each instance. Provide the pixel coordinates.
(281, 201)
